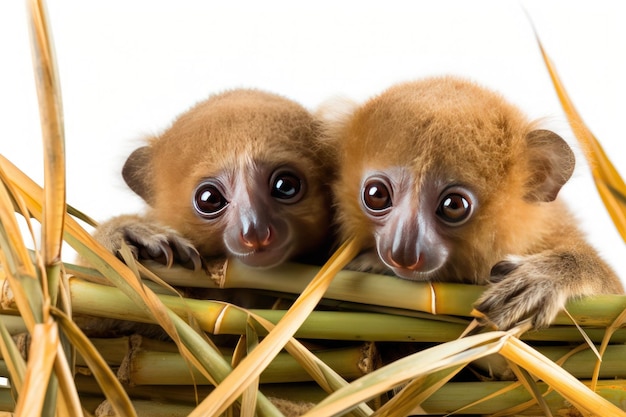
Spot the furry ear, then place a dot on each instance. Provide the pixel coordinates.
(137, 172)
(551, 164)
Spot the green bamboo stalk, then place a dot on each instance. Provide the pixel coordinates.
(150, 362)
(456, 395)
(165, 368)
(451, 397)
(103, 301)
(353, 286)
(570, 334)
(581, 364)
(305, 391)
(569, 387)
(150, 408)
(378, 291)
(88, 298)
(7, 403)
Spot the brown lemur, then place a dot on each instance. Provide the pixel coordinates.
(443, 180)
(242, 174)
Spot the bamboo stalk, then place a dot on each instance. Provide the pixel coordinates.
(104, 301)
(379, 292)
(7, 403)
(456, 395)
(165, 368)
(305, 391)
(451, 397)
(152, 408)
(89, 298)
(353, 286)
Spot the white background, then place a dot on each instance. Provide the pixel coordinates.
(127, 68)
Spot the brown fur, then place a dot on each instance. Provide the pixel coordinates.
(428, 135)
(240, 138)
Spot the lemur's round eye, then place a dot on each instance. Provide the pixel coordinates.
(286, 186)
(455, 208)
(376, 196)
(208, 200)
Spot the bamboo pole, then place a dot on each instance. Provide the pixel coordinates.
(164, 368)
(381, 292)
(104, 301)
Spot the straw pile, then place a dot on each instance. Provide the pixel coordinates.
(337, 342)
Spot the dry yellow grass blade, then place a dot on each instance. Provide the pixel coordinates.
(526, 380)
(43, 350)
(588, 340)
(69, 401)
(569, 387)
(15, 254)
(519, 408)
(325, 376)
(441, 357)
(249, 397)
(101, 371)
(51, 115)
(22, 277)
(617, 324)
(252, 366)
(416, 392)
(610, 185)
(15, 363)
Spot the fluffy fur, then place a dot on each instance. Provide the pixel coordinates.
(437, 137)
(238, 141)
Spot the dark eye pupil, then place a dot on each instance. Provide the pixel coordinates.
(454, 208)
(376, 196)
(286, 186)
(209, 200)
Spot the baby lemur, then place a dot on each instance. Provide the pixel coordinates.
(442, 180)
(242, 174)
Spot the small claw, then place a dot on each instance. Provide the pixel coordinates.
(169, 255)
(196, 259)
(186, 254)
(501, 270)
(160, 252)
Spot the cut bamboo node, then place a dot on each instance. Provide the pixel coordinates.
(7, 300)
(216, 271)
(22, 342)
(125, 369)
(220, 318)
(370, 359)
(433, 299)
